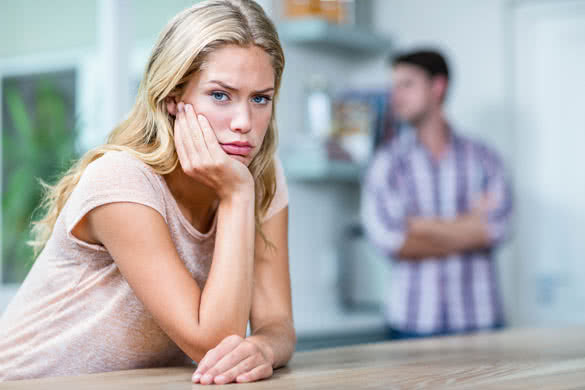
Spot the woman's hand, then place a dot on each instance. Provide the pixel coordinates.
(235, 359)
(203, 159)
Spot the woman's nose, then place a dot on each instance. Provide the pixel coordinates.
(242, 119)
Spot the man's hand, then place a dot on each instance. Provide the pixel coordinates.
(235, 359)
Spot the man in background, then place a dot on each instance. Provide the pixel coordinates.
(437, 203)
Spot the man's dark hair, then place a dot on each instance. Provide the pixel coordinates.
(431, 61)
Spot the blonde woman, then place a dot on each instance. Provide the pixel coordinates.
(158, 247)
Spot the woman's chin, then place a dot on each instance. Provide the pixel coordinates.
(242, 159)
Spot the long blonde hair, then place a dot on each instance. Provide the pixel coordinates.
(147, 133)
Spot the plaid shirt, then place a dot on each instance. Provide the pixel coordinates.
(454, 293)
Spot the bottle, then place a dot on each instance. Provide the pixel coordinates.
(318, 108)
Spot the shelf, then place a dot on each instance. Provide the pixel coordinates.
(315, 170)
(318, 32)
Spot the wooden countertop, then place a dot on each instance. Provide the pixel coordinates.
(515, 359)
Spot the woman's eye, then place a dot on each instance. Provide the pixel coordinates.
(219, 96)
(261, 99)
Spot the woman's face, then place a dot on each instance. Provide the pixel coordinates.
(234, 91)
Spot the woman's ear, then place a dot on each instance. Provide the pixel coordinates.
(171, 103)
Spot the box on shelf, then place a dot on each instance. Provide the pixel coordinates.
(334, 11)
(361, 121)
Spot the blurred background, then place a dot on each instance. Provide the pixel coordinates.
(69, 71)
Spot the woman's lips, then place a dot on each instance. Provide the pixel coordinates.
(237, 149)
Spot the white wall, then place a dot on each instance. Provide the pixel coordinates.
(30, 27)
(550, 91)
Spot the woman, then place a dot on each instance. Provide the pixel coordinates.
(158, 247)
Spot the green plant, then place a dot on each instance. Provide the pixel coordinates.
(37, 145)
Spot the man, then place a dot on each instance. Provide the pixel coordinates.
(438, 204)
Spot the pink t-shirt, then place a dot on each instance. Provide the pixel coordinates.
(75, 313)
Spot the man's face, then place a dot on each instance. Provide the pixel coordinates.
(413, 93)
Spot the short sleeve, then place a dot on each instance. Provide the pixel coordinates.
(114, 177)
(383, 207)
(280, 199)
(496, 184)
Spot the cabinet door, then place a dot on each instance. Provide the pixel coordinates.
(550, 165)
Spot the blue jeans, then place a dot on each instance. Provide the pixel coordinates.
(396, 334)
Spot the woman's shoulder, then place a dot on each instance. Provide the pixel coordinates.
(121, 169)
(119, 174)
(120, 162)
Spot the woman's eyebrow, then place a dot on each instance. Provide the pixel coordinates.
(229, 87)
(270, 89)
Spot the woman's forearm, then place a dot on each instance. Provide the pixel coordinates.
(227, 296)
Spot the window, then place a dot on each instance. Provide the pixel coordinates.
(38, 142)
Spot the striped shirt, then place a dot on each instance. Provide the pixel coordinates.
(449, 294)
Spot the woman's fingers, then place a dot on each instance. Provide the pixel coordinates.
(247, 364)
(226, 363)
(209, 136)
(180, 145)
(257, 373)
(235, 362)
(196, 134)
(213, 356)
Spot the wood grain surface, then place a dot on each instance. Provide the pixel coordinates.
(514, 359)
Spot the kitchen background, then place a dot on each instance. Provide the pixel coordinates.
(518, 84)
